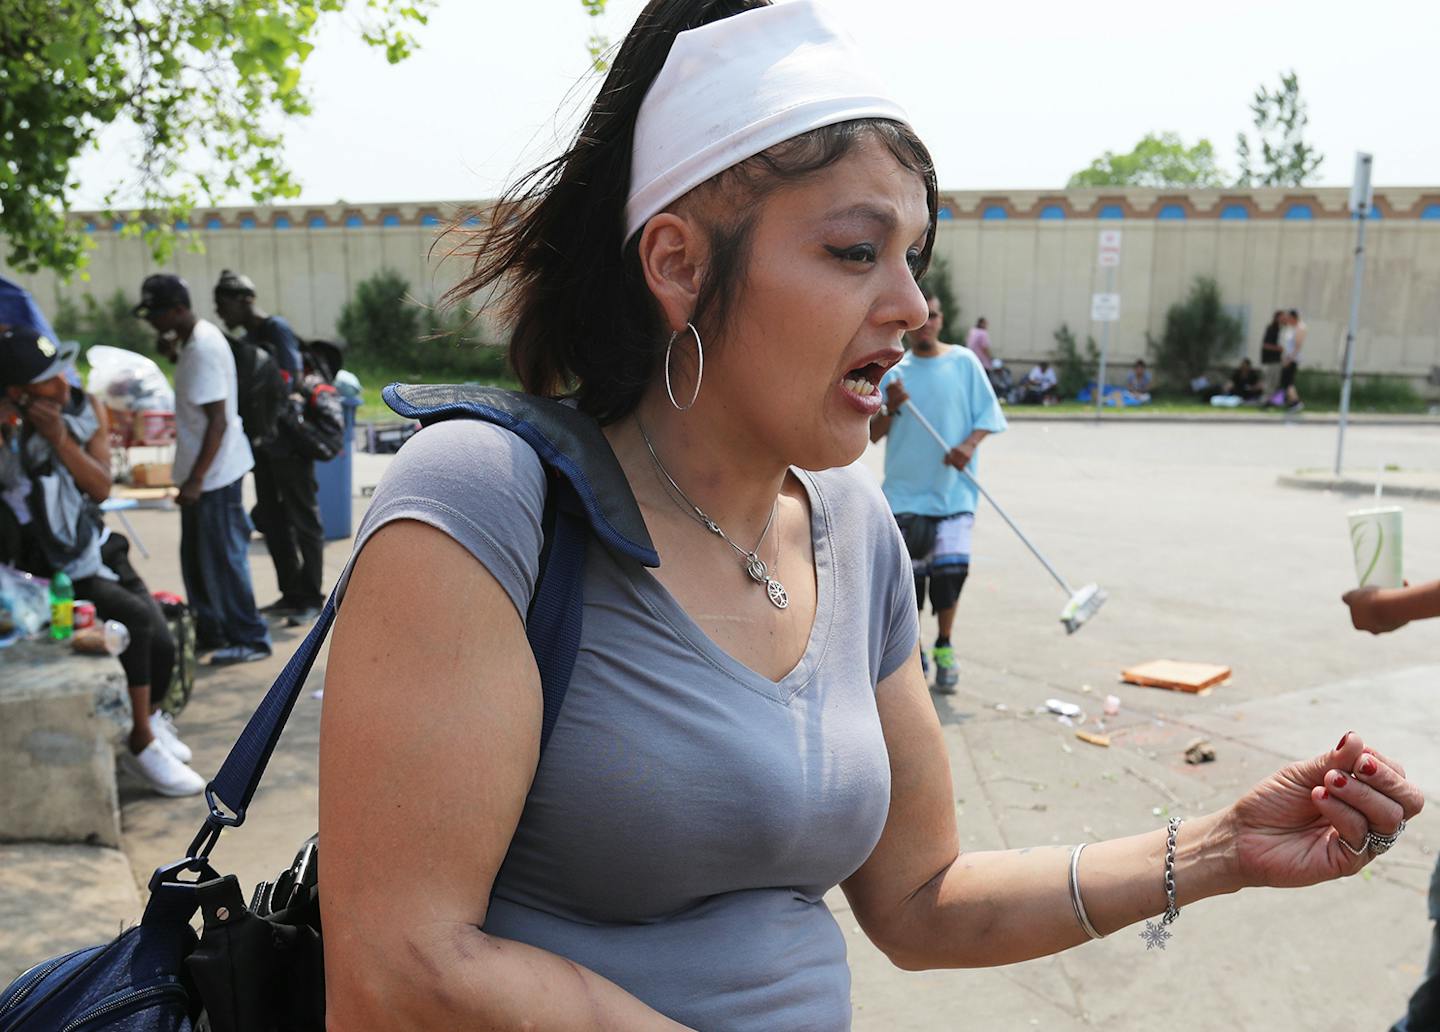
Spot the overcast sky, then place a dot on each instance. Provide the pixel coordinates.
(1009, 95)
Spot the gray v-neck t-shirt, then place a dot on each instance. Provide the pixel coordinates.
(688, 814)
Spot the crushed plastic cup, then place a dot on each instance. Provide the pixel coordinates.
(117, 637)
(1376, 542)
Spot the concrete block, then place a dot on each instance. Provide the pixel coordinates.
(60, 717)
(54, 899)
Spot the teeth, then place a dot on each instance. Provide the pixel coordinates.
(859, 386)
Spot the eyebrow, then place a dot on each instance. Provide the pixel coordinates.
(885, 217)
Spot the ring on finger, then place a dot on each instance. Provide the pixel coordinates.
(1378, 844)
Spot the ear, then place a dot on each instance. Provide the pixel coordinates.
(673, 255)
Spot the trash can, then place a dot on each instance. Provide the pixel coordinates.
(336, 480)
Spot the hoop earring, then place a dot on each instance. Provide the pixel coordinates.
(699, 375)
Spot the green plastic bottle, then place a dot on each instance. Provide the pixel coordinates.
(62, 606)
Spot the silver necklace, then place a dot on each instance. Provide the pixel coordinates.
(750, 560)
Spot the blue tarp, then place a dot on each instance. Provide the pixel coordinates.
(1114, 395)
(18, 308)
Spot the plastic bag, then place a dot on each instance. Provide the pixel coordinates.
(24, 604)
(128, 381)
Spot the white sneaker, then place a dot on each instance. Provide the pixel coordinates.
(163, 729)
(162, 772)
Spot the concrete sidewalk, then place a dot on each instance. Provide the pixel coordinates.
(1205, 558)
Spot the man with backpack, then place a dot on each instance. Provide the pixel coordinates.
(287, 509)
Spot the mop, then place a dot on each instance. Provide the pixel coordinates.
(1082, 604)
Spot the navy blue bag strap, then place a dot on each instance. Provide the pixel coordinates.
(573, 510)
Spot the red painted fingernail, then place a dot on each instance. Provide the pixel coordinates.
(1368, 765)
(1340, 780)
(1343, 738)
(1324, 793)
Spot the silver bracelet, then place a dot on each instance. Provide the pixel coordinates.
(1075, 899)
(1155, 933)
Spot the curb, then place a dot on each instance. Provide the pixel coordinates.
(1302, 420)
(1346, 486)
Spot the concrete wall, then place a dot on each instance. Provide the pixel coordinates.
(1025, 260)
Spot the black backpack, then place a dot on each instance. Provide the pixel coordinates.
(314, 419)
(262, 394)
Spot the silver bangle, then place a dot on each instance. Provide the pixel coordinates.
(1075, 899)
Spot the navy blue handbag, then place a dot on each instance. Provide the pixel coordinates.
(260, 968)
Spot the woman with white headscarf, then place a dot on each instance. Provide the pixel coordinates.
(718, 272)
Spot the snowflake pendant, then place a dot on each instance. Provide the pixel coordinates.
(1155, 934)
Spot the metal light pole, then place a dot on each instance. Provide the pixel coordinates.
(1360, 201)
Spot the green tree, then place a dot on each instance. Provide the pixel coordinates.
(91, 322)
(1158, 160)
(1199, 334)
(1280, 118)
(206, 84)
(1072, 369)
(385, 325)
(937, 278)
(598, 42)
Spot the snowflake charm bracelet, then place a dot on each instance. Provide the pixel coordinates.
(1156, 933)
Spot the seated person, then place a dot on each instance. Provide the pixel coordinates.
(51, 487)
(1040, 386)
(1244, 382)
(1137, 384)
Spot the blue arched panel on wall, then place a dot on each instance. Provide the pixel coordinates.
(1432, 211)
(1171, 212)
(429, 220)
(473, 220)
(1052, 211)
(89, 227)
(282, 222)
(1373, 213)
(1235, 211)
(354, 222)
(213, 222)
(247, 223)
(117, 225)
(1111, 211)
(944, 215)
(318, 222)
(1300, 211)
(995, 211)
(182, 225)
(390, 220)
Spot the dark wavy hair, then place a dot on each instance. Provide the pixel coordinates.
(583, 320)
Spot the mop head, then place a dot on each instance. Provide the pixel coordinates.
(1084, 604)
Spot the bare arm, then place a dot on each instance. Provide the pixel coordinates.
(429, 740)
(927, 905)
(1379, 610)
(210, 443)
(89, 463)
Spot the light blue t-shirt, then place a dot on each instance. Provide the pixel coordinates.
(955, 396)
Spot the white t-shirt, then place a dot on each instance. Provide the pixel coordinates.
(205, 374)
(1042, 378)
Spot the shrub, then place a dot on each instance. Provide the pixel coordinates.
(1199, 335)
(1378, 393)
(91, 323)
(1072, 369)
(937, 278)
(384, 324)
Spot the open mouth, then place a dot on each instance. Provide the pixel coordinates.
(864, 380)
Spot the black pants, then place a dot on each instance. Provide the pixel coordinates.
(287, 512)
(150, 659)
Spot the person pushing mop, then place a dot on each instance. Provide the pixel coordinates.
(933, 503)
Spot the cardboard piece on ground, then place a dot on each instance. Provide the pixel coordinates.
(1179, 677)
(1101, 740)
